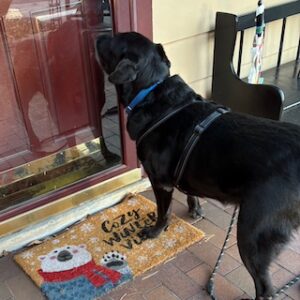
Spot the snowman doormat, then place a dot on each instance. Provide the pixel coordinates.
(106, 250)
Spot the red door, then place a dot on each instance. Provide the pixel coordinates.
(53, 94)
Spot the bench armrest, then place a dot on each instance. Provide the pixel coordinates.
(228, 89)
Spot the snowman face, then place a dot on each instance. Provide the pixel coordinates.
(65, 258)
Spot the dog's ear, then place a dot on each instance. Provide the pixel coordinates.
(162, 54)
(125, 71)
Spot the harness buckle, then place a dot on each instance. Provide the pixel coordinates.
(223, 109)
(198, 129)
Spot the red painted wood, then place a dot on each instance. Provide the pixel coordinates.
(121, 15)
(133, 15)
(4, 5)
(141, 12)
(13, 137)
(59, 84)
(128, 15)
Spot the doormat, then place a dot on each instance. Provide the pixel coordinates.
(105, 250)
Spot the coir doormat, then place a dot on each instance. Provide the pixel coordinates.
(104, 251)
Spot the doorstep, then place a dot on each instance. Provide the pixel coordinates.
(62, 220)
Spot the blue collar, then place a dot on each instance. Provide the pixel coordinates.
(140, 97)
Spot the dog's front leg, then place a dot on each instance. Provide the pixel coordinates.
(163, 197)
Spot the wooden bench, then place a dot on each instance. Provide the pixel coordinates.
(278, 97)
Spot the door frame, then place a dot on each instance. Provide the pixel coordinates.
(128, 15)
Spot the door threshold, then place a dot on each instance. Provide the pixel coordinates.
(42, 222)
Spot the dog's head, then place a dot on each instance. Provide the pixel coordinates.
(133, 60)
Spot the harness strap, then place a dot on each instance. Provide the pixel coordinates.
(198, 130)
(162, 120)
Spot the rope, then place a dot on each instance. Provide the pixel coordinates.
(210, 285)
(211, 281)
(286, 286)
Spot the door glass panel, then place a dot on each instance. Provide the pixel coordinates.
(59, 116)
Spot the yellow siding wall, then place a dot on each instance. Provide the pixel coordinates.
(185, 28)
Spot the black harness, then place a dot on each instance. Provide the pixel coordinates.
(197, 132)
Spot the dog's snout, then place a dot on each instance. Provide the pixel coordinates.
(103, 42)
(102, 46)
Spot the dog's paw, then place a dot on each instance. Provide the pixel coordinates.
(152, 232)
(196, 213)
(195, 210)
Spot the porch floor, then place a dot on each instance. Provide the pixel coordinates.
(185, 276)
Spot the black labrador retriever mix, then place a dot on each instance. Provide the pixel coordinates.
(239, 159)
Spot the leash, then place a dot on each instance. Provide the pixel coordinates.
(211, 282)
(286, 286)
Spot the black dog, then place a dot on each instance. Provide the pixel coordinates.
(239, 159)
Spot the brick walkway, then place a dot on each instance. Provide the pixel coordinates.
(185, 276)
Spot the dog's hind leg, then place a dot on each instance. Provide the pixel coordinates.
(195, 210)
(258, 246)
(163, 197)
(257, 265)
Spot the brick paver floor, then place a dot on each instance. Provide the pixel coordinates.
(185, 276)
